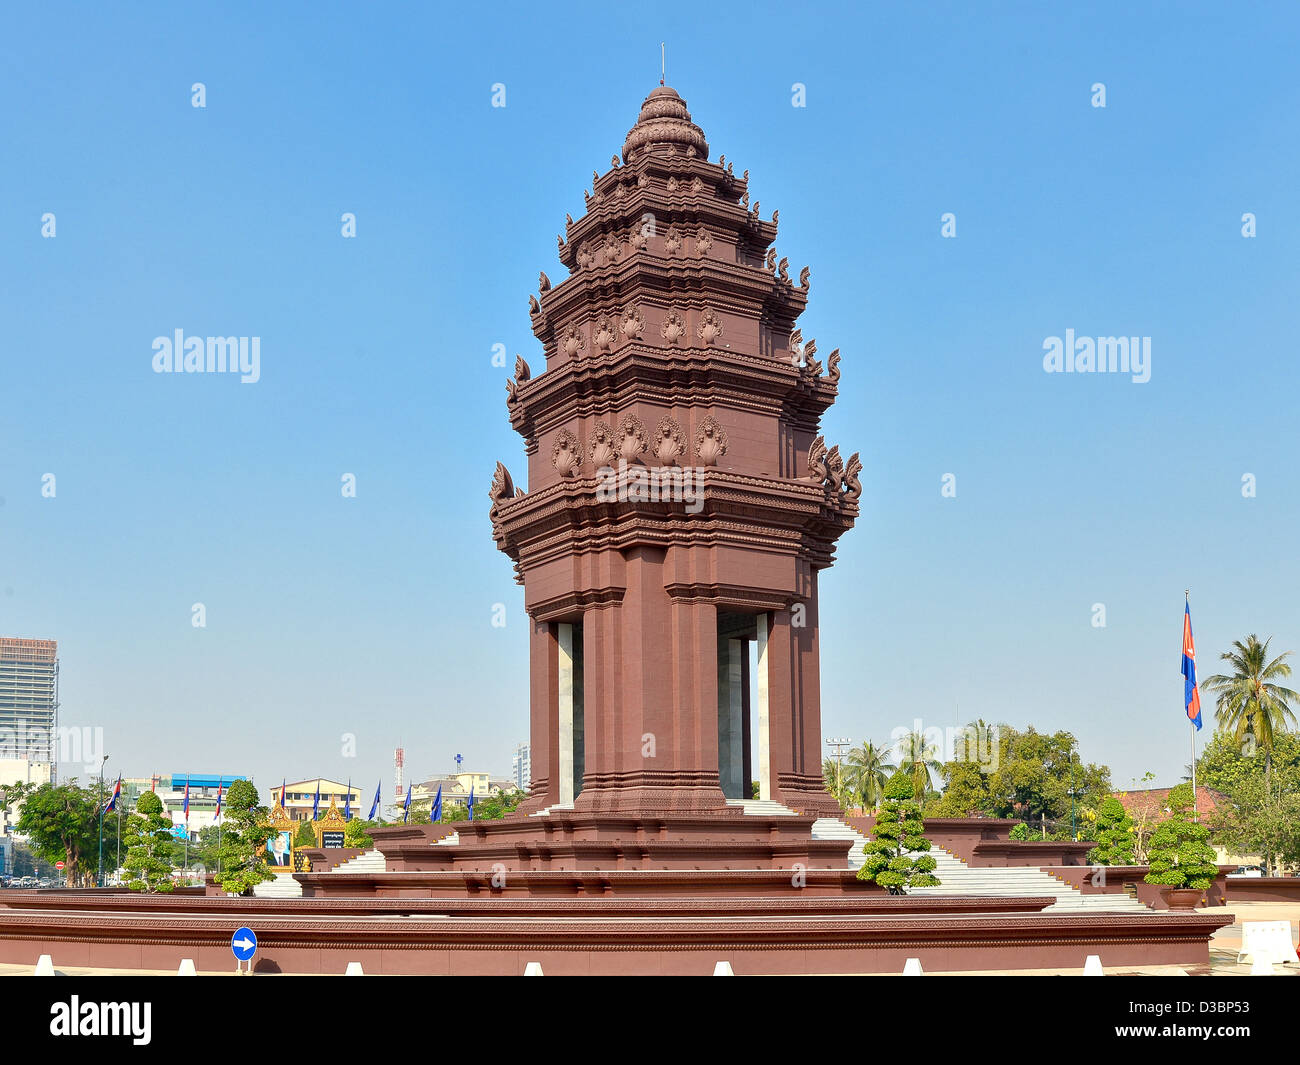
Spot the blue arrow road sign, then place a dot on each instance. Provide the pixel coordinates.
(244, 944)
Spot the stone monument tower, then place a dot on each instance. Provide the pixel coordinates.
(681, 502)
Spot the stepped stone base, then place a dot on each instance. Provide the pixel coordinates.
(725, 838)
(297, 941)
(428, 900)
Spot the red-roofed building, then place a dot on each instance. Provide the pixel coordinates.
(1153, 803)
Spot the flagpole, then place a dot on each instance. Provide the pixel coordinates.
(220, 782)
(1191, 727)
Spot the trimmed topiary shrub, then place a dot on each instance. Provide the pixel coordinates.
(899, 834)
(1114, 831)
(1179, 854)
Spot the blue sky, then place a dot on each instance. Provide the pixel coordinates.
(372, 615)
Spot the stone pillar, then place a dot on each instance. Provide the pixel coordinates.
(564, 726)
(543, 723)
(602, 671)
(746, 721)
(651, 697)
(731, 729)
(794, 709)
(764, 710)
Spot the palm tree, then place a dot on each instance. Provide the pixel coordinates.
(836, 782)
(867, 773)
(917, 755)
(1248, 701)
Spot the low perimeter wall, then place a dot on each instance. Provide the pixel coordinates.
(983, 842)
(293, 939)
(1128, 879)
(1263, 888)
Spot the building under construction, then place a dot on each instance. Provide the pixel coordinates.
(29, 699)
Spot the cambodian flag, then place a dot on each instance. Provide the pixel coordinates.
(374, 806)
(187, 800)
(315, 803)
(469, 803)
(117, 794)
(1191, 697)
(218, 814)
(347, 802)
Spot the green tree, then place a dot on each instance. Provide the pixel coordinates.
(833, 780)
(896, 857)
(246, 828)
(1114, 835)
(1225, 762)
(1036, 772)
(306, 835)
(61, 822)
(148, 837)
(1248, 702)
(1020, 774)
(867, 773)
(356, 833)
(965, 791)
(918, 756)
(1257, 819)
(205, 852)
(1180, 854)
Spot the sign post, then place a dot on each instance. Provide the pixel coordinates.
(244, 945)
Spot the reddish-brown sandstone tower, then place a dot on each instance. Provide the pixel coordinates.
(681, 502)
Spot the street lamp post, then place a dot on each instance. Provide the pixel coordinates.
(1074, 832)
(838, 746)
(99, 876)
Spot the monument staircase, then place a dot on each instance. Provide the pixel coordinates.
(282, 887)
(958, 879)
(729, 845)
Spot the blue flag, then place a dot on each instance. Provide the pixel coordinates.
(374, 806)
(117, 794)
(347, 802)
(469, 803)
(315, 804)
(406, 806)
(1191, 695)
(435, 812)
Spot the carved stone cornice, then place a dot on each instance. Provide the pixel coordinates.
(662, 281)
(775, 515)
(644, 373)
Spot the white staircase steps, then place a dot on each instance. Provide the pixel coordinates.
(282, 887)
(957, 878)
(369, 862)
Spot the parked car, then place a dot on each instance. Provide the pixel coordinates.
(1248, 870)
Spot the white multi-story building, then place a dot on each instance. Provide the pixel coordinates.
(521, 767)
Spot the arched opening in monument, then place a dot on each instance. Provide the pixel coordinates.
(738, 668)
(571, 731)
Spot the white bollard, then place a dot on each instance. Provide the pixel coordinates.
(1261, 967)
(533, 968)
(44, 966)
(354, 969)
(913, 967)
(187, 968)
(1092, 967)
(723, 968)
